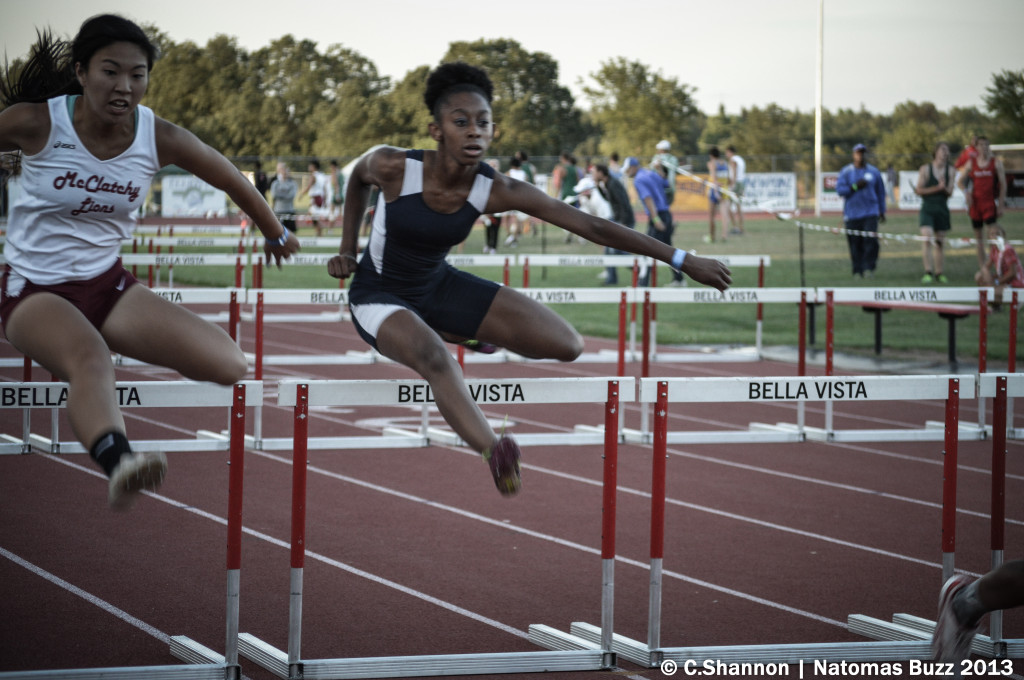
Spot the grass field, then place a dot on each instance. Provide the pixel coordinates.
(825, 262)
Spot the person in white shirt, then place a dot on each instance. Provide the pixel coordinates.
(88, 152)
(737, 180)
(318, 186)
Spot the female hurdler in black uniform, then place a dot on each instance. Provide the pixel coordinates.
(406, 301)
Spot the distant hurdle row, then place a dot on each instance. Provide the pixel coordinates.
(201, 662)
(585, 646)
(251, 305)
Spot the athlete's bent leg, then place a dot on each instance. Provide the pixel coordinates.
(405, 338)
(54, 333)
(146, 327)
(526, 327)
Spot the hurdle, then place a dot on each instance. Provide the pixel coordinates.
(52, 396)
(978, 296)
(1001, 388)
(201, 662)
(416, 395)
(157, 260)
(662, 392)
(576, 655)
(259, 299)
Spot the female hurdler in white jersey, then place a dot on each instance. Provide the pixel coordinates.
(86, 164)
(406, 301)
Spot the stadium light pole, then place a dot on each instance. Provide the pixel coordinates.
(817, 110)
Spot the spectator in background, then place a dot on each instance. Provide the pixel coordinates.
(718, 172)
(531, 178)
(337, 180)
(1003, 269)
(564, 177)
(986, 196)
(891, 180)
(650, 189)
(318, 187)
(614, 167)
(737, 183)
(666, 164)
(935, 182)
(615, 193)
(969, 152)
(515, 220)
(282, 196)
(259, 179)
(863, 190)
(527, 166)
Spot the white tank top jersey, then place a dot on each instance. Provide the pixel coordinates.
(73, 210)
(741, 168)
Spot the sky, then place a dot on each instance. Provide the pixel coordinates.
(736, 53)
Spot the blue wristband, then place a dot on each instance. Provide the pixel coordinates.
(281, 240)
(677, 258)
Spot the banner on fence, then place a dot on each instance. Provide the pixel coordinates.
(188, 196)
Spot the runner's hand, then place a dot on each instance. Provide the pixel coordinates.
(707, 271)
(276, 253)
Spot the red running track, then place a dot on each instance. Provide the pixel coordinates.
(413, 551)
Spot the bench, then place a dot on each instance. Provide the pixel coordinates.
(951, 312)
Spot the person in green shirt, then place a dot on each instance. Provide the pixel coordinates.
(935, 183)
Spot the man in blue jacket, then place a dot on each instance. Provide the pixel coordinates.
(650, 189)
(863, 190)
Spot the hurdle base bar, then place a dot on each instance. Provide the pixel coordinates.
(177, 672)
(933, 431)
(276, 662)
(642, 655)
(399, 438)
(392, 438)
(205, 443)
(756, 434)
(11, 444)
(556, 640)
(192, 651)
(910, 627)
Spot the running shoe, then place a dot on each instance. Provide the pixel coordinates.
(951, 642)
(481, 347)
(941, 278)
(135, 473)
(503, 459)
(927, 278)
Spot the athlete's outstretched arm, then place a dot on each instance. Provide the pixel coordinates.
(176, 145)
(510, 194)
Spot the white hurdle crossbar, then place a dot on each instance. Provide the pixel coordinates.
(662, 392)
(202, 663)
(52, 396)
(571, 654)
(416, 394)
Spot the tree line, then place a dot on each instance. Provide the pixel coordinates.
(293, 99)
